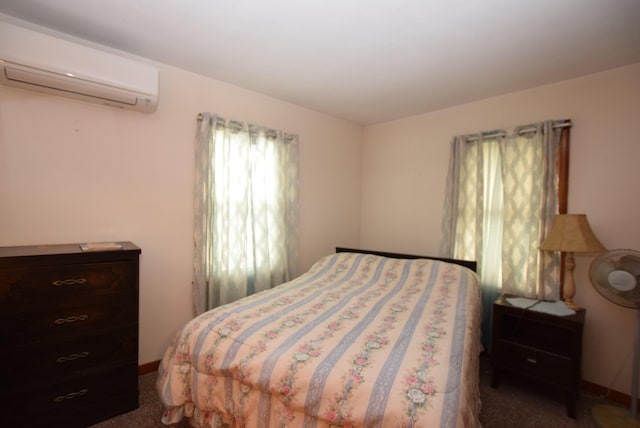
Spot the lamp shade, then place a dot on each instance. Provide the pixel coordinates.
(572, 233)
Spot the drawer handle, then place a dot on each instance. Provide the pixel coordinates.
(532, 361)
(70, 281)
(71, 319)
(72, 357)
(71, 395)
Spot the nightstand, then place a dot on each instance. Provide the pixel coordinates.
(538, 346)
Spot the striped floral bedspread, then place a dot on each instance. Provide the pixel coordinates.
(358, 340)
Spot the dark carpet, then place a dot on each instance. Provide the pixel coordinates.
(514, 404)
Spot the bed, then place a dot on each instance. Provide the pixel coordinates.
(362, 339)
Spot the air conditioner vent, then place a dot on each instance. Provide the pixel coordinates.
(43, 63)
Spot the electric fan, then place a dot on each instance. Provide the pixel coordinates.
(615, 275)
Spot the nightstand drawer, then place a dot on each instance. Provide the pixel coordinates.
(536, 363)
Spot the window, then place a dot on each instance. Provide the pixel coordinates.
(503, 191)
(246, 210)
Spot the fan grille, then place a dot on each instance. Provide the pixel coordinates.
(615, 275)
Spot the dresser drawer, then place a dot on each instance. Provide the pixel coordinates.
(535, 363)
(30, 364)
(61, 322)
(47, 283)
(76, 402)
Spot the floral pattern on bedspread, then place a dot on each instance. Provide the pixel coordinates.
(358, 340)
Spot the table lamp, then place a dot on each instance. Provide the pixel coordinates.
(571, 233)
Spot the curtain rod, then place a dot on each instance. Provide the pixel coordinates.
(288, 138)
(565, 124)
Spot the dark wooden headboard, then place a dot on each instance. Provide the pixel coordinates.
(466, 263)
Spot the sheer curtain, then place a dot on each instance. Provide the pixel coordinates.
(501, 198)
(246, 210)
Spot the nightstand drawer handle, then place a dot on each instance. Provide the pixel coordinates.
(532, 361)
(69, 396)
(70, 281)
(72, 357)
(71, 319)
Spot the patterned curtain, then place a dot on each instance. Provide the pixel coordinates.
(501, 198)
(246, 210)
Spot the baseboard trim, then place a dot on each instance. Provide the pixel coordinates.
(608, 393)
(147, 368)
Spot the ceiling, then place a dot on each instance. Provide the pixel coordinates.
(366, 61)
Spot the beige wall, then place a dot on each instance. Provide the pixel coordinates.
(405, 168)
(72, 171)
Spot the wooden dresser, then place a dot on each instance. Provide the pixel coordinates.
(68, 334)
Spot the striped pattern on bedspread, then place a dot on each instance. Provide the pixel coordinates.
(358, 340)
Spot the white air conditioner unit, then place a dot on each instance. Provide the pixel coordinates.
(40, 62)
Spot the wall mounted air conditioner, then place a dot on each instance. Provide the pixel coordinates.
(40, 62)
